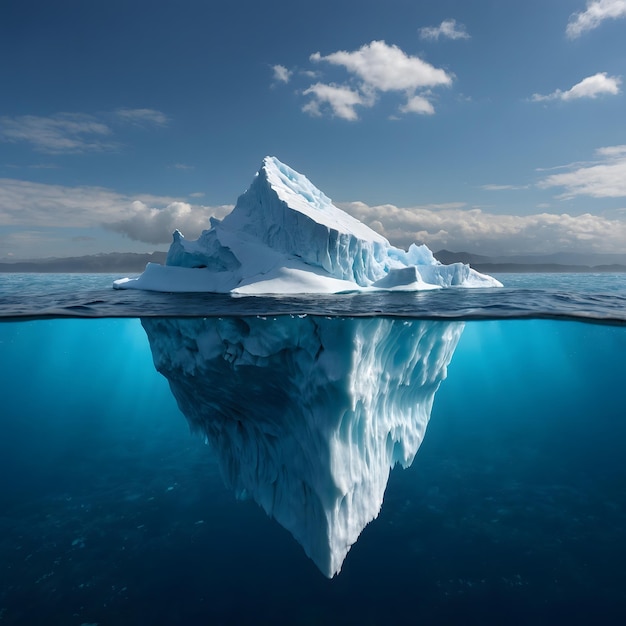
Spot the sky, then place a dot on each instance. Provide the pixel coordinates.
(487, 126)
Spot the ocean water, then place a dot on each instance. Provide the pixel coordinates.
(512, 512)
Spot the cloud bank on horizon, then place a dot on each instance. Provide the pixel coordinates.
(462, 229)
(418, 128)
(453, 225)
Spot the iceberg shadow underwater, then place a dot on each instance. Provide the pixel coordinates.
(305, 414)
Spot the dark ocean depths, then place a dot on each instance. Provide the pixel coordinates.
(513, 511)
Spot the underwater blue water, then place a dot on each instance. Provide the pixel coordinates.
(513, 512)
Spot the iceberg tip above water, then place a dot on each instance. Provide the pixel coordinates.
(285, 236)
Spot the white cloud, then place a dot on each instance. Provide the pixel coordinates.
(597, 11)
(387, 68)
(73, 133)
(61, 133)
(603, 179)
(474, 230)
(146, 218)
(156, 225)
(375, 67)
(340, 99)
(418, 104)
(612, 151)
(281, 74)
(590, 87)
(448, 29)
(562, 167)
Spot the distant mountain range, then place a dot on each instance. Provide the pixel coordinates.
(557, 262)
(131, 262)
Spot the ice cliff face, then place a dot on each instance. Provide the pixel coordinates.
(290, 215)
(285, 236)
(307, 415)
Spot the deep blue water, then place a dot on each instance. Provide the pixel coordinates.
(513, 512)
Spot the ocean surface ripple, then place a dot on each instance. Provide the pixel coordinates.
(586, 297)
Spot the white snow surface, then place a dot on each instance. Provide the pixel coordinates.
(284, 236)
(307, 415)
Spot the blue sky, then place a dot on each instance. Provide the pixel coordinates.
(489, 126)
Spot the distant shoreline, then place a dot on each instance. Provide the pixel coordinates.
(113, 262)
(551, 268)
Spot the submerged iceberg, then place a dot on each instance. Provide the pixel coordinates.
(284, 236)
(307, 415)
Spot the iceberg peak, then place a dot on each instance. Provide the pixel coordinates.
(299, 194)
(286, 236)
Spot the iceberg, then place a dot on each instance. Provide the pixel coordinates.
(307, 415)
(285, 236)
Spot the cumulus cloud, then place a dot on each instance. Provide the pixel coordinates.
(155, 225)
(146, 218)
(281, 74)
(597, 11)
(73, 133)
(590, 87)
(375, 68)
(418, 104)
(387, 68)
(605, 178)
(461, 229)
(341, 100)
(448, 29)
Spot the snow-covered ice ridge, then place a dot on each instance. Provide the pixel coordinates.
(284, 236)
(307, 415)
